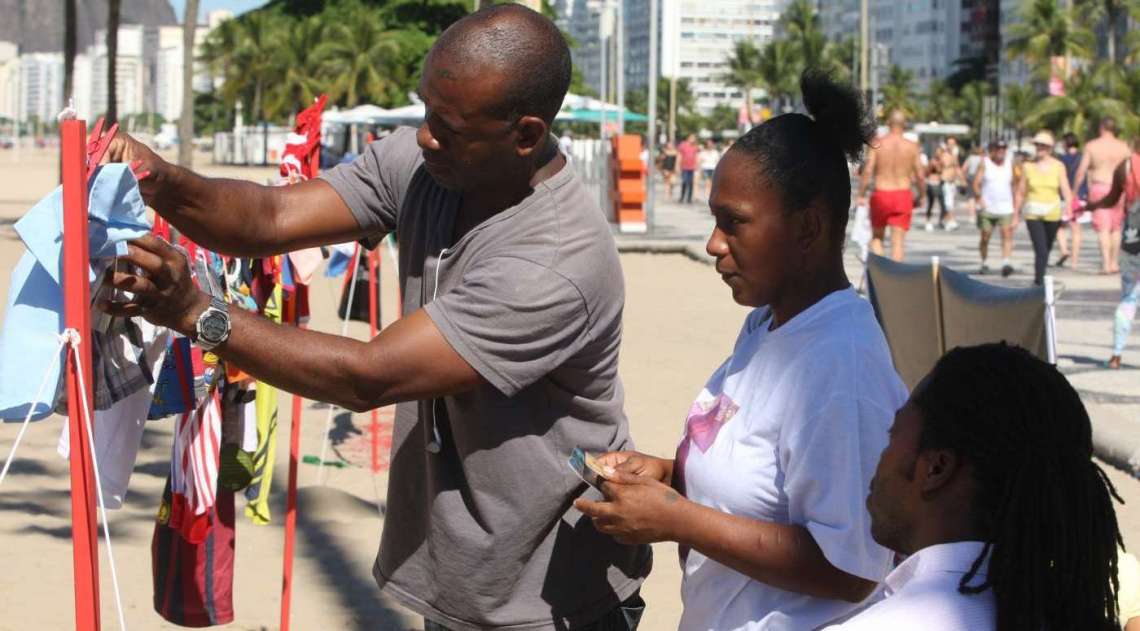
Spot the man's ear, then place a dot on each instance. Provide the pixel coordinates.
(936, 469)
(531, 131)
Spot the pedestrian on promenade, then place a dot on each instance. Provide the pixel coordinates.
(1125, 190)
(934, 188)
(1071, 217)
(708, 158)
(994, 185)
(989, 489)
(973, 163)
(951, 176)
(667, 164)
(1102, 155)
(1044, 189)
(894, 162)
(506, 354)
(687, 152)
(765, 493)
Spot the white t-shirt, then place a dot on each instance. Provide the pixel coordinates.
(789, 430)
(708, 159)
(997, 187)
(922, 593)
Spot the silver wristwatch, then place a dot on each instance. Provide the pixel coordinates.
(213, 326)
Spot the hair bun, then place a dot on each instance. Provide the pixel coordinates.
(838, 112)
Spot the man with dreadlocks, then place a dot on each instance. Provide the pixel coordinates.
(1007, 521)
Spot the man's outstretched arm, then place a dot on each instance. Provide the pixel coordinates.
(409, 360)
(236, 217)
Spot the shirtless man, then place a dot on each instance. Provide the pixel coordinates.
(894, 163)
(951, 179)
(1101, 158)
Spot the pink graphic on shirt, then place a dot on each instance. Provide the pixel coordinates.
(701, 429)
(706, 418)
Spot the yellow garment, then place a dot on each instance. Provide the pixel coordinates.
(1043, 190)
(257, 510)
(1128, 571)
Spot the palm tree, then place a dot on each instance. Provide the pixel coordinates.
(779, 73)
(254, 60)
(800, 23)
(369, 60)
(744, 70)
(898, 92)
(1018, 103)
(112, 60)
(971, 100)
(220, 49)
(299, 79)
(186, 117)
(1046, 31)
(1110, 13)
(939, 102)
(70, 46)
(1084, 103)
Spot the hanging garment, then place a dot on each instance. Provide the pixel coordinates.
(118, 430)
(34, 316)
(257, 510)
(194, 468)
(174, 386)
(235, 471)
(193, 582)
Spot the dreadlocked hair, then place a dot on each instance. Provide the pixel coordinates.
(1042, 505)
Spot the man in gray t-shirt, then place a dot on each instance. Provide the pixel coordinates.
(505, 358)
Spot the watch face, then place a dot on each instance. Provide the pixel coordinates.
(214, 326)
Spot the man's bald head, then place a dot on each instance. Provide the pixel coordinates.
(524, 48)
(897, 119)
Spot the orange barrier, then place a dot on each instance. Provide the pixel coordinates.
(627, 183)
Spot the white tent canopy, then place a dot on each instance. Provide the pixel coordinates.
(414, 113)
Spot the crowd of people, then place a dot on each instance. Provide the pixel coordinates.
(800, 498)
(1053, 190)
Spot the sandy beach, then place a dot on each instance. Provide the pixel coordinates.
(680, 323)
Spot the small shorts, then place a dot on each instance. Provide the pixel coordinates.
(708, 173)
(987, 222)
(1106, 219)
(892, 208)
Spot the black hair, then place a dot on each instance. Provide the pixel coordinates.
(1041, 504)
(805, 157)
(1070, 139)
(523, 45)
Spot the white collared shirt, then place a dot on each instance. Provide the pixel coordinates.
(922, 594)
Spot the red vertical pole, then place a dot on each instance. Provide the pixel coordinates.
(77, 315)
(290, 512)
(373, 327)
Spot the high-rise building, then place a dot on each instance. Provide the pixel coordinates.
(9, 81)
(130, 72)
(1011, 69)
(40, 86)
(981, 36)
(698, 37)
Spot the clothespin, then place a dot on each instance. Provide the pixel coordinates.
(98, 142)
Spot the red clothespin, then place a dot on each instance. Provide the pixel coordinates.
(98, 142)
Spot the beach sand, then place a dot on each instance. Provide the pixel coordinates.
(680, 323)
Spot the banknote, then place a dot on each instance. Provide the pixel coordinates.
(587, 467)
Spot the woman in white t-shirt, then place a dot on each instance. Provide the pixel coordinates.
(707, 159)
(766, 493)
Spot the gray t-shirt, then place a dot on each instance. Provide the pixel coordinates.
(480, 531)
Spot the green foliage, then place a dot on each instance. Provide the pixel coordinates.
(898, 92)
(1047, 30)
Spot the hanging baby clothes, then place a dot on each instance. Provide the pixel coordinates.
(118, 430)
(193, 581)
(34, 315)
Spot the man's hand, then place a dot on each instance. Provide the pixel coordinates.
(125, 149)
(638, 509)
(164, 291)
(635, 463)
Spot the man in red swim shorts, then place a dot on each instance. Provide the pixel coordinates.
(894, 162)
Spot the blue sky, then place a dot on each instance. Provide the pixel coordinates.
(205, 6)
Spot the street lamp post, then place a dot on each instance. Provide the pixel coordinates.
(619, 62)
(651, 126)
